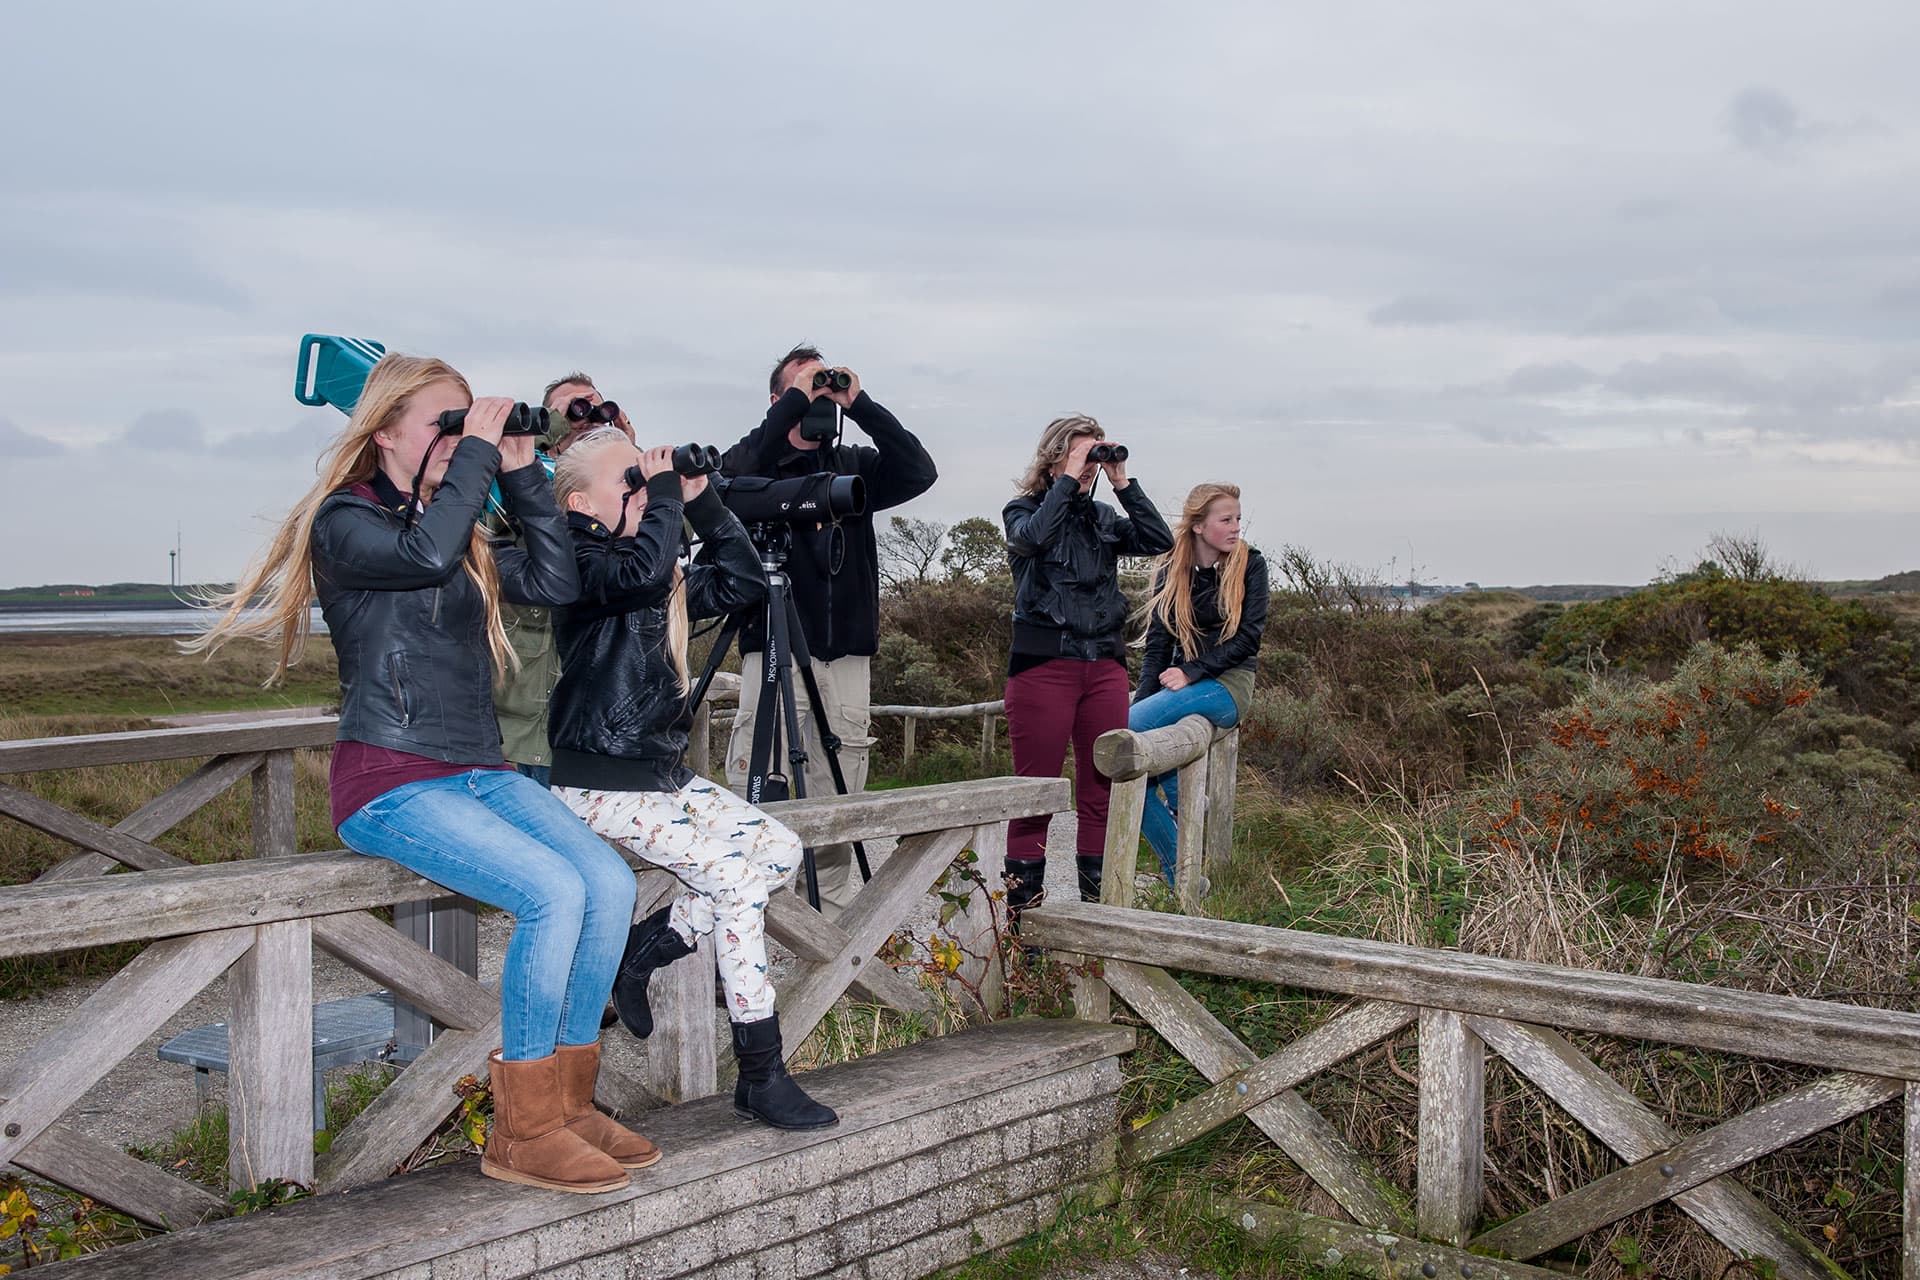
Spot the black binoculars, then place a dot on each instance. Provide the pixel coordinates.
(522, 420)
(1104, 452)
(581, 409)
(696, 459)
(838, 379)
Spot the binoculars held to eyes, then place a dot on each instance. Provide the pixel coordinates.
(522, 420)
(837, 379)
(1104, 452)
(581, 409)
(689, 460)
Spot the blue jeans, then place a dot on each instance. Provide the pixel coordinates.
(503, 839)
(1207, 698)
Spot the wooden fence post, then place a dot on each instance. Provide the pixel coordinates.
(270, 1058)
(906, 739)
(1190, 828)
(986, 739)
(1452, 1127)
(1223, 767)
(682, 1053)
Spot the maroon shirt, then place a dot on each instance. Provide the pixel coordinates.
(362, 772)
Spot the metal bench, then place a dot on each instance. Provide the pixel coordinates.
(356, 1029)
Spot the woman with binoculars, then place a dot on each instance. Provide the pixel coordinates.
(619, 720)
(1067, 673)
(1205, 619)
(412, 589)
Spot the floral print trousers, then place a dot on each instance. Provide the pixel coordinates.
(730, 856)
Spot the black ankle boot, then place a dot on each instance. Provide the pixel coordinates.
(651, 945)
(1026, 886)
(764, 1091)
(1089, 866)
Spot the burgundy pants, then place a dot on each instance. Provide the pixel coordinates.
(1062, 700)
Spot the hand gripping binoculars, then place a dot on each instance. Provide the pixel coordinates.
(1104, 452)
(689, 460)
(522, 420)
(837, 379)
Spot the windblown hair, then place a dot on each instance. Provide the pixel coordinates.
(1055, 443)
(576, 378)
(283, 574)
(573, 472)
(1172, 598)
(799, 355)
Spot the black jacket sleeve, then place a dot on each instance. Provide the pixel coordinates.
(1159, 649)
(726, 576)
(758, 453)
(1143, 530)
(621, 574)
(898, 469)
(1030, 529)
(541, 570)
(362, 550)
(1245, 642)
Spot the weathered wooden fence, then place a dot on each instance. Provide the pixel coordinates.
(1205, 761)
(257, 920)
(708, 719)
(1464, 1005)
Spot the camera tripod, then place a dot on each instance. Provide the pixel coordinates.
(777, 717)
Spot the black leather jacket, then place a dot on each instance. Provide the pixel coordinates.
(408, 624)
(1212, 659)
(619, 719)
(1063, 549)
(835, 568)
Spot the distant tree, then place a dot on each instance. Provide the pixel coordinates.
(976, 548)
(909, 549)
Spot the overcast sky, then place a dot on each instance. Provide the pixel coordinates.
(1501, 292)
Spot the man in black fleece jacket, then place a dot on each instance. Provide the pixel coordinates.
(835, 569)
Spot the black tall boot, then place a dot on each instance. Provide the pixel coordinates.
(651, 944)
(1026, 885)
(764, 1091)
(1089, 866)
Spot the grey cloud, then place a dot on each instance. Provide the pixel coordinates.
(1645, 209)
(1764, 120)
(166, 431)
(1653, 309)
(1550, 379)
(109, 255)
(1723, 378)
(303, 439)
(1419, 312)
(17, 442)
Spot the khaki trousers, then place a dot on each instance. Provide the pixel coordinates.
(846, 686)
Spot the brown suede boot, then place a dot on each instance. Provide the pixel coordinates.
(579, 1068)
(530, 1141)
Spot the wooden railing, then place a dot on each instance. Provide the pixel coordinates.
(712, 715)
(1464, 1005)
(1206, 762)
(258, 919)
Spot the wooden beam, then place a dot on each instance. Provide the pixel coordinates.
(161, 814)
(872, 917)
(909, 810)
(44, 815)
(1730, 1213)
(1452, 1127)
(52, 1075)
(682, 1061)
(1190, 831)
(1092, 998)
(270, 1067)
(1342, 1247)
(1819, 1033)
(812, 937)
(407, 1111)
(1910, 1222)
(1223, 767)
(273, 820)
(80, 751)
(1333, 1041)
(408, 969)
(1700, 1158)
(105, 1173)
(965, 711)
(1320, 1150)
(1130, 753)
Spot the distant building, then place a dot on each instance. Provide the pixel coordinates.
(77, 591)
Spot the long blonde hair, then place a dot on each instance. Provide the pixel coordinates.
(1172, 598)
(284, 572)
(573, 472)
(1055, 443)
